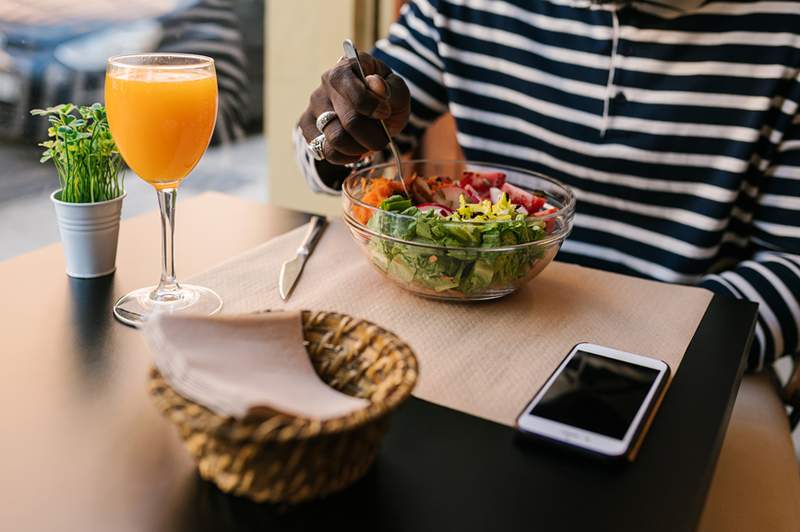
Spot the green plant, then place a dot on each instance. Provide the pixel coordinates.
(87, 161)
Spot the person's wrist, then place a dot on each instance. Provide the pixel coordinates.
(332, 175)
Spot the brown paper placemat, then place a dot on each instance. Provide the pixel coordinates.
(487, 359)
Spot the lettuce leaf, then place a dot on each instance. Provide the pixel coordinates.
(452, 267)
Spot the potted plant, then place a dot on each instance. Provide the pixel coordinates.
(91, 173)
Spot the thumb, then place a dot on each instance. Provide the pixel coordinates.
(377, 85)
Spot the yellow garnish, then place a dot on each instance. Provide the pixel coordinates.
(484, 211)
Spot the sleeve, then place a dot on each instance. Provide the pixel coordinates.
(308, 166)
(411, 52)
(772, 277)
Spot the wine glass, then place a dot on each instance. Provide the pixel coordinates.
(161, 110)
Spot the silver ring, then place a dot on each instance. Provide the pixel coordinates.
(324, 119)
(317, 147)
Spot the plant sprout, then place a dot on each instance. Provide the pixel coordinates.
(87, 161)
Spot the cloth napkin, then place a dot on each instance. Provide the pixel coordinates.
(239, 365)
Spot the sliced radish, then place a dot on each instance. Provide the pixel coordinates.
(440, 210)
(538, 203)
(522, 210)
(522, 197)
(449, 196)
(550, 223)
(518, 196)
(467, 178)
(545, 212)
(473, 194)
(495, 194)
(482, 181)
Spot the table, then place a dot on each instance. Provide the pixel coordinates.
(84, 449)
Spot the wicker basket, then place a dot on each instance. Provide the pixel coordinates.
(282, 458)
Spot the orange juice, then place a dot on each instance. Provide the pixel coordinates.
(161, 120)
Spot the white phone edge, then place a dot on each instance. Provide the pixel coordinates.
(592, 441)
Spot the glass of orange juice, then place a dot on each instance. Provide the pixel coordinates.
(161, 111)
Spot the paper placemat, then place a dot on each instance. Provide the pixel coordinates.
(487, 359)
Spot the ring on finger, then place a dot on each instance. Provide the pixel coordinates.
(324, 119)
(317, 147)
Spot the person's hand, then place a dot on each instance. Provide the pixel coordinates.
(356, 131)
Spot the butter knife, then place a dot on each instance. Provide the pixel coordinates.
(292, 268)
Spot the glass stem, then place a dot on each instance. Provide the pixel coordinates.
(168, 286)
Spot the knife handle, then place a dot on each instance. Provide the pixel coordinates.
(315, 227)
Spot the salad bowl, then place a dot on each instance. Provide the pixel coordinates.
(457, 230)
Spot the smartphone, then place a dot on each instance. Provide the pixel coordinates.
(596, 401)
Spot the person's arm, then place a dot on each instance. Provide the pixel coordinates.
(408, 61)
(411, 50)
(772, 277)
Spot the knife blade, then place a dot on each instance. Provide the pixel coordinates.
(292, 268)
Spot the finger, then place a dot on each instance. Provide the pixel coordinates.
(372, 65)
(343, 80)
(397, 92)
(342, 141)
(335, 134)
(336, 157)
(400, 99)
(366, 131)
(309, 128)
(376, 84)
(319, 102)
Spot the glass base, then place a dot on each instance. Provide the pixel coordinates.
(136, 307)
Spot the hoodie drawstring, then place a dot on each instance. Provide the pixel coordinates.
(610, 83)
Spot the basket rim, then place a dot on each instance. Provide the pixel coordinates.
(267, 429)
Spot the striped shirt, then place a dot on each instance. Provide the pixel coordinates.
(675, 123)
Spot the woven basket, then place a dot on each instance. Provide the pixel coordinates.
(282, 458)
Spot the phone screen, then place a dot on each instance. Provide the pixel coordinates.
(597, 394)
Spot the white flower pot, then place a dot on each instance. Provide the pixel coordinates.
(89, 234)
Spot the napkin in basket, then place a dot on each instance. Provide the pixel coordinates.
(237, 365)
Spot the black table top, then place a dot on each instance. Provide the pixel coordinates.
(84, 449)
(445, 470)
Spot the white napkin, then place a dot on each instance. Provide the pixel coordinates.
(235, 365)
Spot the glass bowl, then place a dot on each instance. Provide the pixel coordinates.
(500, 256)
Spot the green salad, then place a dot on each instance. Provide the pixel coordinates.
(457, 234)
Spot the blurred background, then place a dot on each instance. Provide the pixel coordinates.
(54, 51)
(269, 56)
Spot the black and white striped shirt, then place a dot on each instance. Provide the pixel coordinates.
(675, 123)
